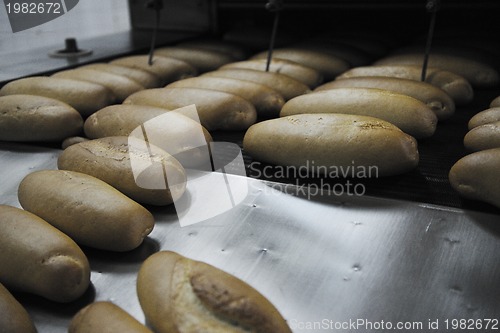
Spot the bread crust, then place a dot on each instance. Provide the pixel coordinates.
(180, 295)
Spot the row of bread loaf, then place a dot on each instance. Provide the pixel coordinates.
(295, 138)
(67, 209)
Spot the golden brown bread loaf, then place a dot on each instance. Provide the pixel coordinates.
(453, 84)
(180, 295)
(487, 116)
(483, 137)
(37, 258)
(284, 84)
(85, 97)
(130, 165)
(145, 79)
(409, 114)
(36, 118)
(307, 75)
(435, 98)
(167, 69)
(120, 85)
(477, 176)
(105, 317)
(178, 135)
(13, 316)
(85, 208)
(216, 109)
(326, 143)
(267, 102)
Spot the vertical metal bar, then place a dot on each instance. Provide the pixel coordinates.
(273, 40)
(273, 6)
(433, 7)
(157, 5)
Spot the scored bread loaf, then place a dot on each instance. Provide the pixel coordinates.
(140, 170)
(180, 295)
(178, 135)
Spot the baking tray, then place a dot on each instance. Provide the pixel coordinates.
(322, 260)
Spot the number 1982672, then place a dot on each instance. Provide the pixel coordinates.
(33, 8)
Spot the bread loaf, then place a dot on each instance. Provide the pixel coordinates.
(141, 171)
(178, 135)
(488, 116)
(267, 102)
(181, 295)
(13, 316)
(483, 137)
(477, 176)
(32, 118)
(85, 97)
(453, 84)
(85, 208)
(479, 74)
(37, 258)
(166, 69)
(328, 65)
(72, 140)
(435, 98)
(105, 317)
(327, 143)
(202, 60)
(216, 109)
(307, 75)
(283, 84)
(120, 85)
(145, 79)
(409, 114)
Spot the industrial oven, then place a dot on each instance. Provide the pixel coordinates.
(409, 250)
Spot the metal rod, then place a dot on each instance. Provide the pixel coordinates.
(433, 7)
(273, 6)
(157, 5)
(273, 40)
